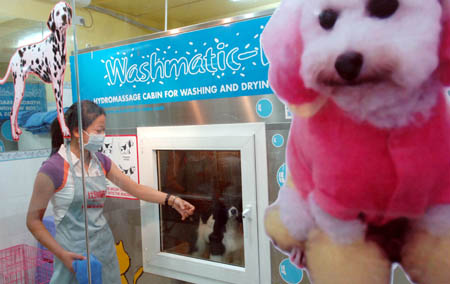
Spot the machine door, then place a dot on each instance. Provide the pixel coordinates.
(215, 168)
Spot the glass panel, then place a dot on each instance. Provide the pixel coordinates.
(211, 181)
(185, 13)
(37, 99)
(35, 191)
(105, 23)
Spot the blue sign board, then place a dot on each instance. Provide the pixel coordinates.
(277, 140)
(281, 175)
(218, 62)
(264, 108)
(289, 273)
(34, 99)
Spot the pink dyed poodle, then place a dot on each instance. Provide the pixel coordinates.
(368, 152)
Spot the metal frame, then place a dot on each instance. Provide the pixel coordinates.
(214, 23)
(122, 18)
(82, 158)
(251, 140)
(261, 183)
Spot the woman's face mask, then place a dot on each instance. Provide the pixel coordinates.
(95, 141)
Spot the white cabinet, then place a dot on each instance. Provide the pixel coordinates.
(211, 166)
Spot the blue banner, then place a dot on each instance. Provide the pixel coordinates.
(218, 62)
(34, 99)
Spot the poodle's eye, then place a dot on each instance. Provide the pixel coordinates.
(328, 18)
(382, 8)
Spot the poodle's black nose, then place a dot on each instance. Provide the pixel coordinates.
(234, 212)
(349, 64)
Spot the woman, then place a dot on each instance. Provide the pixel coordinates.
(59, 181)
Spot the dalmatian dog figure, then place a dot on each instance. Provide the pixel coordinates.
(47, 60)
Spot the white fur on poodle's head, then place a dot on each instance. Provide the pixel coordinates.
(347, 46)
(374, 58)
(377, 59)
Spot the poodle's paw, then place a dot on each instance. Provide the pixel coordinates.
(277, 231)
(297, 257)
(288, 221)
(281, 239)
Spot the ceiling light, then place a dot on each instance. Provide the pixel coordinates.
(226, 20)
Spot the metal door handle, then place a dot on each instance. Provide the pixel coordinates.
(247, 212)
(247, 218)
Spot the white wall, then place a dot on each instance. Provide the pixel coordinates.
(16, 184)
(30, 141)
(17, 178)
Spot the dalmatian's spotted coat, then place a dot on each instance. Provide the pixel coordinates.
(45, 59)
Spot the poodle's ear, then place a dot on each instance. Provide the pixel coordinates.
(283, 47)
(444, 52)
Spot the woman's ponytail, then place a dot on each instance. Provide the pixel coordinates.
(56, 135)
(55, 128)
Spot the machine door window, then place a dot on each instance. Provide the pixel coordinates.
(211, 181)
(218, 169)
